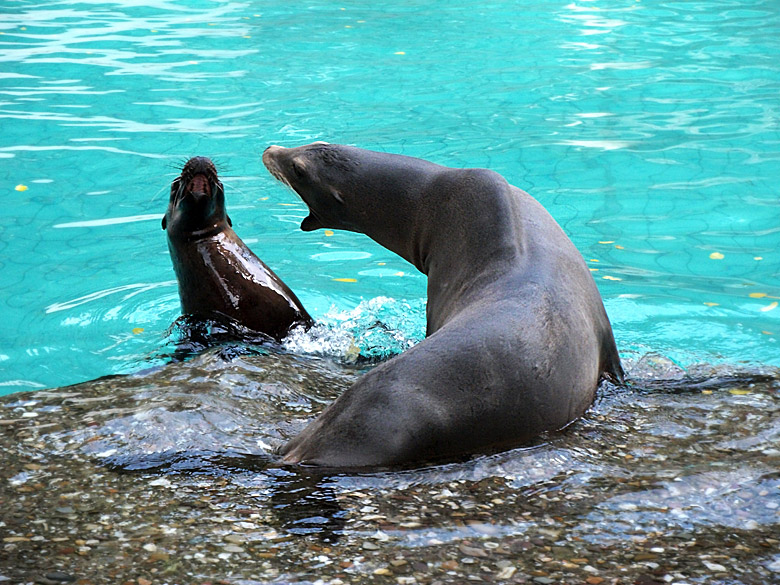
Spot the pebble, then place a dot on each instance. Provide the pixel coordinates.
(472, 551)
(235, 538)
(715, 567)
(57, 577)
(506, 573)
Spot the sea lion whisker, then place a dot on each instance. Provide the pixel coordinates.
(157, 194)
(233, 187)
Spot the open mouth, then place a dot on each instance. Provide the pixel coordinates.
(276, 172)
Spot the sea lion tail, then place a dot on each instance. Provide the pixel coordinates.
(611, 369)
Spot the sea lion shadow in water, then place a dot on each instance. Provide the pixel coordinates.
(517, 335)
(226, 291)
(303, 503)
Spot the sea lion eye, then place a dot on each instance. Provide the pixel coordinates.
(298, 169)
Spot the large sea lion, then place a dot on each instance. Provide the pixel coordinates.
(219, 276)
(517, 335)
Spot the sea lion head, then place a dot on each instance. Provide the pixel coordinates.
(325, 177)
(197, 203)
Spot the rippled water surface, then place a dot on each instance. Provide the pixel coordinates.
(649, 130)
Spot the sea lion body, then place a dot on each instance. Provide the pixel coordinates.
(517, 335)
(218, 275)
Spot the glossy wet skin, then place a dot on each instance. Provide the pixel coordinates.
(219, 277)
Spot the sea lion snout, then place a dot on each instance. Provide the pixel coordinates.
(199, 187)
(199, 176)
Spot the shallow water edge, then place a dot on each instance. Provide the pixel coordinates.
(166, 477)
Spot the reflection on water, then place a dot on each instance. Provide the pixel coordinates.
(675, 478)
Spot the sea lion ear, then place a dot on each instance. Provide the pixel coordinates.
(336, 195)
(165, 221)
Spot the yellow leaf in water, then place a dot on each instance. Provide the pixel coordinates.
(619, 247)
(608, 242)
(706, 392)
(138, 330)
(717, 256)
(757, 295)
(739, 391)
(21, 187)
(400, 53)
(769, 307)
(611, 278)
(328, 233)
(711, 304)
(399, 273)
(758, 258)
(345, 279)
(767, 333)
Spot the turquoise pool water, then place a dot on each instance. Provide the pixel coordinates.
(650, 131)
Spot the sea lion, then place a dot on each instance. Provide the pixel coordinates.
(517, 336)
(219, 276)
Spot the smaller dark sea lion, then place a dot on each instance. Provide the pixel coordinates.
(218, 274)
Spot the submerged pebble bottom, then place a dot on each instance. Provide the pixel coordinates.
(168, 476)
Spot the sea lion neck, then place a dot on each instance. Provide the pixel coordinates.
(469, 215)
(471, 219)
